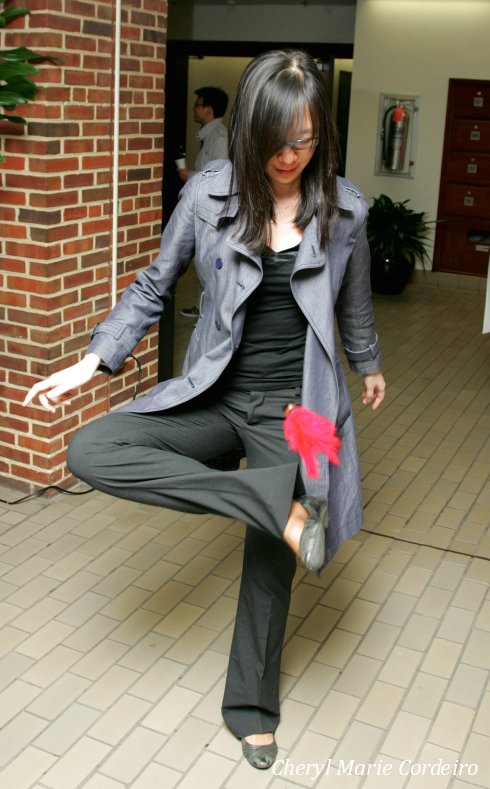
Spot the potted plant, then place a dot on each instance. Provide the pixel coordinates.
(16, 70)
(397, 238)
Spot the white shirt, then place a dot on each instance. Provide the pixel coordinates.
(214, 139)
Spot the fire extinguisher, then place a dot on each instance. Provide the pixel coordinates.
(394, 135)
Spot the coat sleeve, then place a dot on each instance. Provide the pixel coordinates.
(354, 309)
(143, 302)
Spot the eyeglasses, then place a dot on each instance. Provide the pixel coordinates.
(303, 144)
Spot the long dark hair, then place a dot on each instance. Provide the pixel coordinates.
(274, 92)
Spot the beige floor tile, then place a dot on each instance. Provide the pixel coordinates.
(406, 736)
(380, 705)
(99, 781)
(55, 699)
(171, 710)
(146, 652)
(469, 595)
(451, 726)
(157, 680)
(379, 640)
(205, 672)
(32, 592)
(310, 749)
(359, 616)
(219, 614)
(319, 623)
(413, 581)
(477, 651)
(39, 614)
(297, 654)
(358, 675)
(360, 742)
(313, 684)
(338, 648)
(400, 666)
(179, 620)
(45, 671)
(209, 770)
(119, 719)
(183, 748)
(418, 632)
(108, 688)
(27, 768)
(476, 753)
(17, 735)
(155, 775)
(167, 597)
(118, 580)
(91, 633)
(67, 729)
(341, 593)
(135, 626)
(377, 588)
(74, 766)
(334, 714)
(433, 602)
(425, 695)
(132, 755)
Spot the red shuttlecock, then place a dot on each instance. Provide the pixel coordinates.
(310, 435)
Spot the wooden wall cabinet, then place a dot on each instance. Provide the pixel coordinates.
(462, 244)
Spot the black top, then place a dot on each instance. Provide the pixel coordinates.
(270, 355)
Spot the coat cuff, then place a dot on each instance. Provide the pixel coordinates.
(367, 360)
(112, 344)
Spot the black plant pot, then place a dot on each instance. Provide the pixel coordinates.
(389, 276)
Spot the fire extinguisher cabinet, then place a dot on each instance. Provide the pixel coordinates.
(397, 135)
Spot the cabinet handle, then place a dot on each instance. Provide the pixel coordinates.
(475, 134)
(472, 168)
(468, 201)
(478, 100)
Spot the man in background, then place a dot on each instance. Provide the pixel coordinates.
(209, 108)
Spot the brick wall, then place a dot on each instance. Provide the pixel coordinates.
(56, 214)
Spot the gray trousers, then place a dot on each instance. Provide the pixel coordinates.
(159, 458)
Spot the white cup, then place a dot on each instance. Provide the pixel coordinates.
(180, 163)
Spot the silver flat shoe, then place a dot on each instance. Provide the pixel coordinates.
(260, 756)
(312, 540)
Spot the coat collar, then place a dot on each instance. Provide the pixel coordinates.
(218, 185)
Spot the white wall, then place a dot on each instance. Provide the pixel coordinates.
(264, 22)
(413, 47)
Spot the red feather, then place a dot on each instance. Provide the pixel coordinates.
(310, 435)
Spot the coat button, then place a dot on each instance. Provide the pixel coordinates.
(218, 325)
(218, 263)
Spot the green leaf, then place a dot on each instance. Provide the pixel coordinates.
(13, 118)
(19, 53)
(23, 85)
(9, 70)
(12, 13)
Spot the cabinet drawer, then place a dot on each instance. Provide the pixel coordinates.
(470, 101)
(461, 246)
(469, 168)
(462, 200)
(469, 135)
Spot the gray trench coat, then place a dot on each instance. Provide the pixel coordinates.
(325, 283)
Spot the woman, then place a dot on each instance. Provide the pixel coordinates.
(280, 248)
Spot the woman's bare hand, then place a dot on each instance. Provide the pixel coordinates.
(373, 390)
(58, 388)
